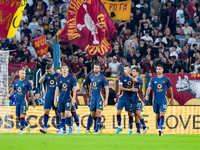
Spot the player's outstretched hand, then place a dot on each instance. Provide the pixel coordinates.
(105, 103)
(55, 103)
(147, 98)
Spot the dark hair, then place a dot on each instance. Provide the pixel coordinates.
(127, 66)
(159, 65)
(49, 66)
(194, 45)
(58, 68)
(97, 64)
(137, 69)
(179, 5)
(64, 65)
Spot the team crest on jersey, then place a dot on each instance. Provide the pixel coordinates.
(23, 84)
(67, 80)
(163, 82)
(51, 82)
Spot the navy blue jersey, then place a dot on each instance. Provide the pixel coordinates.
(65, 86)
(138, 96)
(22, 88)
(159, 87)
(50, 82)
(126, 82)
(97, 83)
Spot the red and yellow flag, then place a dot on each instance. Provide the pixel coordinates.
(10, 16)
(89, 27)
(40, 45)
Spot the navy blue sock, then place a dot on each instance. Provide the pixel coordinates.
(57, 122)
(69, 121)
(63, 124)
(95, 122)
(98, 124)
(46, 118)
(138, 126)
(162, 120)
(22, 122)
(119, 120)
(60, 121)
(131, 122)
(76, 119)
(158, 121)
(89, 122)
(143, 123)
(25, 123)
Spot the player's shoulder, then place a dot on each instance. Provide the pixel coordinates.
(57, 74)
(165, 77)
(71, 76)
(102, 76)
(121, 77)
(16, 81)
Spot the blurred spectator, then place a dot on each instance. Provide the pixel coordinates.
(176, 65)
(32, 25)
(113, 66)
(197, 29)
(193, 53)
(131, 42)
(191, 10)
(24, 16)
(39, 27)
(180, 15)
(164, 17)
(156, 6)
(181, 38)
(121, 66)
(76, 67)
(36, 94)
(26, 32)
(112, 94)
(187, 29)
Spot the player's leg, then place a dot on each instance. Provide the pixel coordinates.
(17, 112)
(45, 121)
(137, 124)
(120, 106)
(61, 107)
(162, 111)
(23, 109)
(156, 111)
(130, 115)
(91, 115)
(139, 109)
(68, 107)
(99, 106)
(76, 119)
(57, 120)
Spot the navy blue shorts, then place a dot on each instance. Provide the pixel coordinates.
(138, 106)
(159, 107)
(122, 102)
(74, 107)
(96, 104)
(49, 103)
(63, 106)
(21, 108)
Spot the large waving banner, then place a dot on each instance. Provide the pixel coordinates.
(10, 16)
(40, 45)
(118, 10)
(89, 27)
(186, 88)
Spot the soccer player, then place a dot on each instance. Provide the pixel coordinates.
(22, 86)
(125, 87)
(64, 85)
(159, 85)
(137, 99)
(98, 81)
(49, 78)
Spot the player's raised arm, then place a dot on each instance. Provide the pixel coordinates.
(32, 97)
(42, 79)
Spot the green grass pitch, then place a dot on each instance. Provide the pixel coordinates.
(99, 142)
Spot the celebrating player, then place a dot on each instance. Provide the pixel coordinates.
(22, 86)
(98, 81)
(125, 87)
(64, 85)
(137, 99)
(159, 86)
(50, 81)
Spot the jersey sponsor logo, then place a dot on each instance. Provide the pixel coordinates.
(51, 82)
(64, 85)
(94, 85)
(159, 86)
(19, 89)
(129, 82)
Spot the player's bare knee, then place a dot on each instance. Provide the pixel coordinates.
(22, 115)
(119, 112)
(18, 117)
(67, 114)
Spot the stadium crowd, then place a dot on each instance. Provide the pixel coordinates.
(159, 32)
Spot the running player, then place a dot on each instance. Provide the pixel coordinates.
(137, 99)
(159, 85)
(49, 78)
(64, 85)
(22, 86)
(125, 87)
(98, 81)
